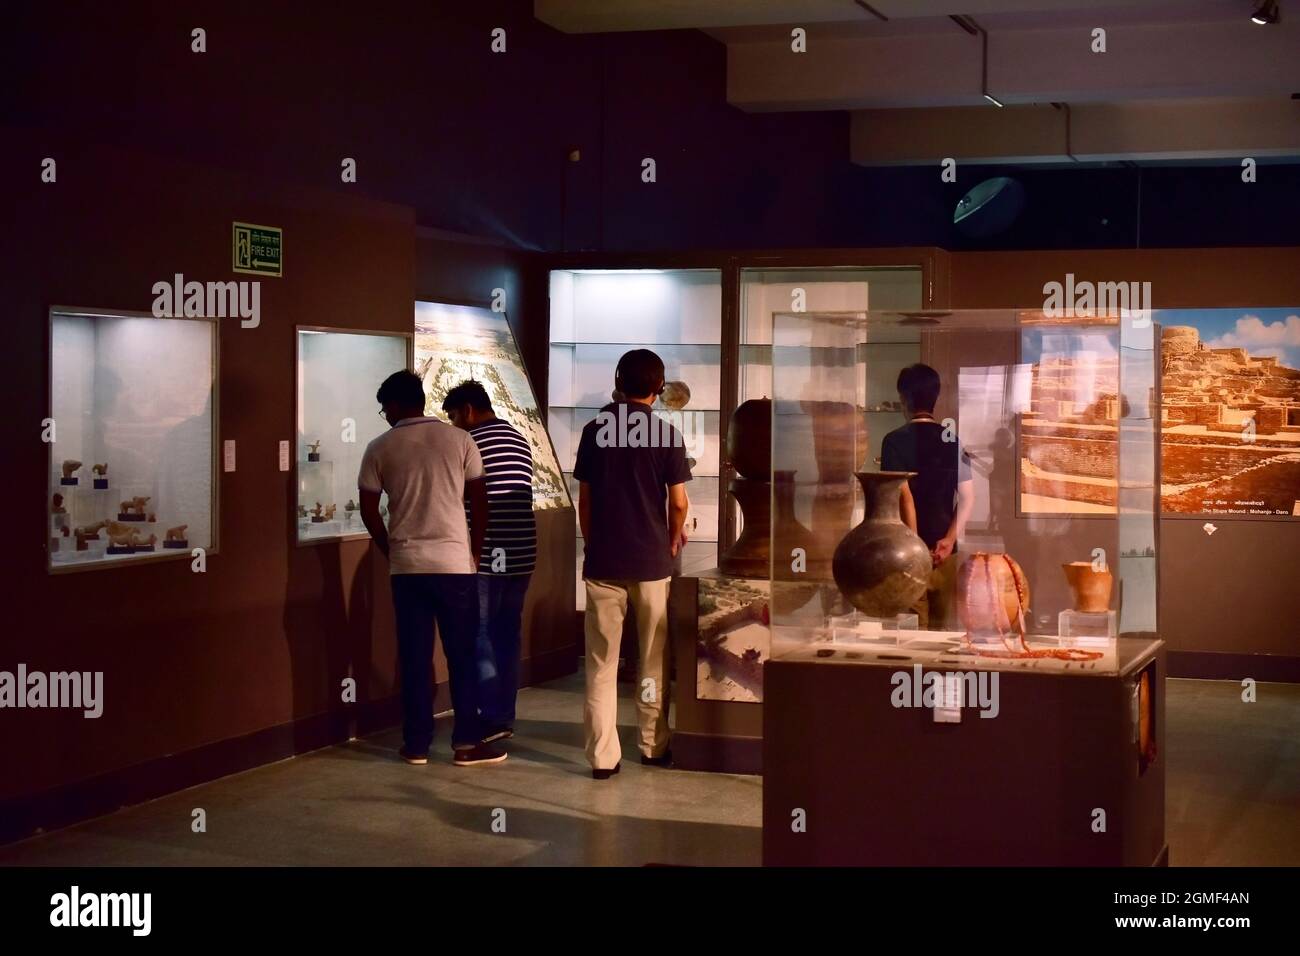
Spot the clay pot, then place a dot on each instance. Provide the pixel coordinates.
(881, 566)
(992, 595)
(788, 533)
(675, 395)
(1091, 588)
(839, 439)
(750, 555)
(749, 439)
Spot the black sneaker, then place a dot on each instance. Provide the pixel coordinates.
(606, 774)
(411, 758)
(478, 755)
(663, 760)
(504, 732)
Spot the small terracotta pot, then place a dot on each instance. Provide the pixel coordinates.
(1091, 588)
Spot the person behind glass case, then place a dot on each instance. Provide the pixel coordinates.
(631, 471)
(509, 551)
(428, 469)
(937, 501)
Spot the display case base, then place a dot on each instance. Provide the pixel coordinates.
(180, 545)
(101, 484)
(122, 516)
(69, 482)
(887, 784)
(114, 549)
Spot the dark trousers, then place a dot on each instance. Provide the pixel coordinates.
(451, 600)
(500, 613)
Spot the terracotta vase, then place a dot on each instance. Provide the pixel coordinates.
(749, 439)
(1090, 587)
(992, 596)
(750, 555)
(675, 395)
(881, 566)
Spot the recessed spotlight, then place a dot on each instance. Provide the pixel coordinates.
(1266, 13)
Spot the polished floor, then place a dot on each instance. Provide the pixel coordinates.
(1233, 799)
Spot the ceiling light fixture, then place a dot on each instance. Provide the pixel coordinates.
(1266, 13)
(984, 37)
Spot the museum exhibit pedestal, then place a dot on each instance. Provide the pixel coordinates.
(881, 785)
(711, 733)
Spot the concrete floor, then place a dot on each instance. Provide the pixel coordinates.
(1233, 799)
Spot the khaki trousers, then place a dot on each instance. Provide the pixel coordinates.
(607, 603)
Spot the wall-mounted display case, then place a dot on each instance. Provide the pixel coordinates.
(456, 342)
(338, 373)
(1063, 413)
(131, 438)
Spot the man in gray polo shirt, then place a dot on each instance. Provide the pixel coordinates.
(428, 468)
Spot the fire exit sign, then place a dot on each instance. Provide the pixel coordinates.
(257, 250)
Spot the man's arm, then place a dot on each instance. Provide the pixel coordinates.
(373, 521)
(907, 507)
(678, 506)
(476, 492)
(961, 514)
(584, 509)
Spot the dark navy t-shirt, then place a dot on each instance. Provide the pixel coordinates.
(939, 465)
(628, 456)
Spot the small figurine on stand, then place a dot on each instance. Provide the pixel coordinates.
(101, 476)
(302, 511)
(122, 539)
(329, 513)
(313, 450)
(349, 512)
(152, 517)
(132, 509)
(69, 466)
(317, 515)
(57, 505)
(89, 533)
(175, 537)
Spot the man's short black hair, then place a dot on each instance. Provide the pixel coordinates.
(403, 388)
(468, 392)
(639, 373)
(919, 386)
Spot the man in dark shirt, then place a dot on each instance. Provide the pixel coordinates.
(632, 473)
(937, 500)
(509, 551)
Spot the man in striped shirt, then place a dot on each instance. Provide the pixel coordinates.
(509, 551)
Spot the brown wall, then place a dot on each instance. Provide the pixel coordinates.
(1231, 595)
(263, 639)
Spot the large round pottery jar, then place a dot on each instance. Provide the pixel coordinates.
(992, 596)
(881, 566)
(749, 439)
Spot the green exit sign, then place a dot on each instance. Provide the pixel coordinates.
(258, 250)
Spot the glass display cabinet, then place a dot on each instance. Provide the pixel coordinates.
(131, 438)
(1032, 483)
(966, 589)
(599, 314)
(338, 373)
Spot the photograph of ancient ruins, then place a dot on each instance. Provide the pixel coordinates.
(1230, 411)
(1069, 432)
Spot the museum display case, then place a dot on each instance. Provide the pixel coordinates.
(338, 373)
(131, 438)
(599, 314)
(953, 667)
(1053, 430)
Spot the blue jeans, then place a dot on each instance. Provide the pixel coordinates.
(451, 600)
(500, 611)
